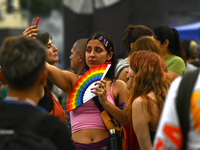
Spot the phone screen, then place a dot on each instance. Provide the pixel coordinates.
(34, 21)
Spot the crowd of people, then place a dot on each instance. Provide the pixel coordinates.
(138, 91)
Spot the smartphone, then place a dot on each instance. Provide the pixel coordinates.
(34, 21)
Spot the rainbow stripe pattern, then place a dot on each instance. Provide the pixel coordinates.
(81, 91)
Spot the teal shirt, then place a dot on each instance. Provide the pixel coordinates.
(176, 64)
(3, 92)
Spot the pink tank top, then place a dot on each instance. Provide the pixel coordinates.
(87, 115)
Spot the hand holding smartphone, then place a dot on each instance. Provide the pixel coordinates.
(34, 21)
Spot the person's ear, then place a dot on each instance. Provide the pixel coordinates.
(81, 57)
(166, 43)
(131, 45)
(2, 77)
(109, 56)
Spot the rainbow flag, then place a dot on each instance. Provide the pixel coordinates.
(81, 91)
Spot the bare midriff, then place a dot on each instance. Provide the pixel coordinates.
(87, 136)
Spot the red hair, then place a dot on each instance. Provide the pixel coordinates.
(151, 75)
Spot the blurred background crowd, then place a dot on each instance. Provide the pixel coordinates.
(70, 20)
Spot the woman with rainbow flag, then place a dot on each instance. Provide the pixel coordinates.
(88, 129)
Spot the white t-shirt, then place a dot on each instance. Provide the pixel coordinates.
(168, 135)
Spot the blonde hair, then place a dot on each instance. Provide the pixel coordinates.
(193, 46)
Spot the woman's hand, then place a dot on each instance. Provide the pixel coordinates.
(100, 90)
(31, 32)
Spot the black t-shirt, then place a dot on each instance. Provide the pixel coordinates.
(14, 113)
(46, 101)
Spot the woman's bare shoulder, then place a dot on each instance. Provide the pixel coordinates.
(119, 83)
(137, 103)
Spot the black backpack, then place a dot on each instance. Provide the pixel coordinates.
(24, 138)
(183, 103)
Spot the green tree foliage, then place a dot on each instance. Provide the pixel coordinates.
(42, 7)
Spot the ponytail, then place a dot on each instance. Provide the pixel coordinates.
(177, 47)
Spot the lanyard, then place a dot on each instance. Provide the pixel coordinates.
(17, 99)
(26, 101)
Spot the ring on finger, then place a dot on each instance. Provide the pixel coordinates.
(102, 85)
(29, 35)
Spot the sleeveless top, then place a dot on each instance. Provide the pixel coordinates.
(51, 105)
(134, 144)
(87, 115)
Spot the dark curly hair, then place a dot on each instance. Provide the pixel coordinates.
(132, 33)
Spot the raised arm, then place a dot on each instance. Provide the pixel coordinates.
(65, 80)
(32, 31)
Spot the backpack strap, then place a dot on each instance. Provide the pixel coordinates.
(98, 104)
(183, 103)
(108, 121)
